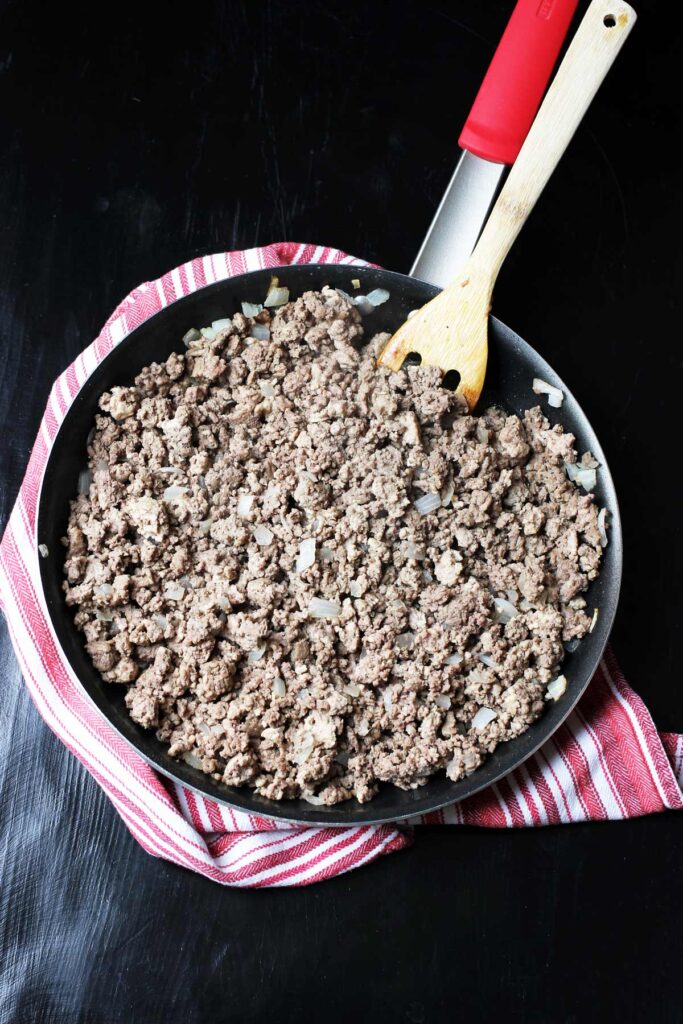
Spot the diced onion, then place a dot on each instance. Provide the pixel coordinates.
(322, 609)
(204, 526)
(262, 535)
(104, 589)
(44, 550)
(377, 296)
(427, 503)
(447, 493)
(218, 325)
(442, 700)
(173, 492)
(104, 614)
(405, 641)
(505, 610)
(355, 589)
(487, 660)
(587, 478)
(602, 526)
(352, 689)
(192, 335)
(174, 592)
(386, 698)
(454, 659)
(571, 645)
(483, 717)
(161, 621)
(583, 476)
(252, 308)
(311, 798)
(363, 727)
(271, 494)
(260, 332)
(84, 481)
(556, 688)
(482, 434)
(276, 296)
(167, 469)
(255, 655)
(192, 759)
(208, 333)
(267, 389)
(304, 750)
(279, 688)
(594, 620)
(555, 395)
(363, 304)
(244, 503)
(306, 556)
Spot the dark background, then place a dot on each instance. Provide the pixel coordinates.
(134, 138)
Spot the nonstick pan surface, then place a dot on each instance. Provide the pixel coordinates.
(512, 366)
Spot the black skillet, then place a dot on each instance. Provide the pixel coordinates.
(512, 367)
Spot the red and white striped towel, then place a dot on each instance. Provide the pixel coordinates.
(606, 761)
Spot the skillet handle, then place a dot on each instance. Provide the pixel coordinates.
(514, 84)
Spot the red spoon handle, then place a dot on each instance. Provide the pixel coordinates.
(515, 82)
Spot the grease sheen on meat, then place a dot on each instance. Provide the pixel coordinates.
(209, 473)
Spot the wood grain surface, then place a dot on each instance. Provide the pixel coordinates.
(134, 137)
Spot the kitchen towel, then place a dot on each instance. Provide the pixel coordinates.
(606, 762)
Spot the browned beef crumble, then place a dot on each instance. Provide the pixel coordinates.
(189, 595)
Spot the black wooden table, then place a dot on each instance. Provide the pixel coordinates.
(136, 137)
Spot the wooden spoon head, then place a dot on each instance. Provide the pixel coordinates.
(451, 332)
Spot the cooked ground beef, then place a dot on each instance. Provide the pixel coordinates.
(192, 586)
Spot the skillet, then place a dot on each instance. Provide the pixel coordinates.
(512, 366)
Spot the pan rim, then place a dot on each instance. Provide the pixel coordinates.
(209, 788)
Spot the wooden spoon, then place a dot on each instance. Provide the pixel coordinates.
(451, 331)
